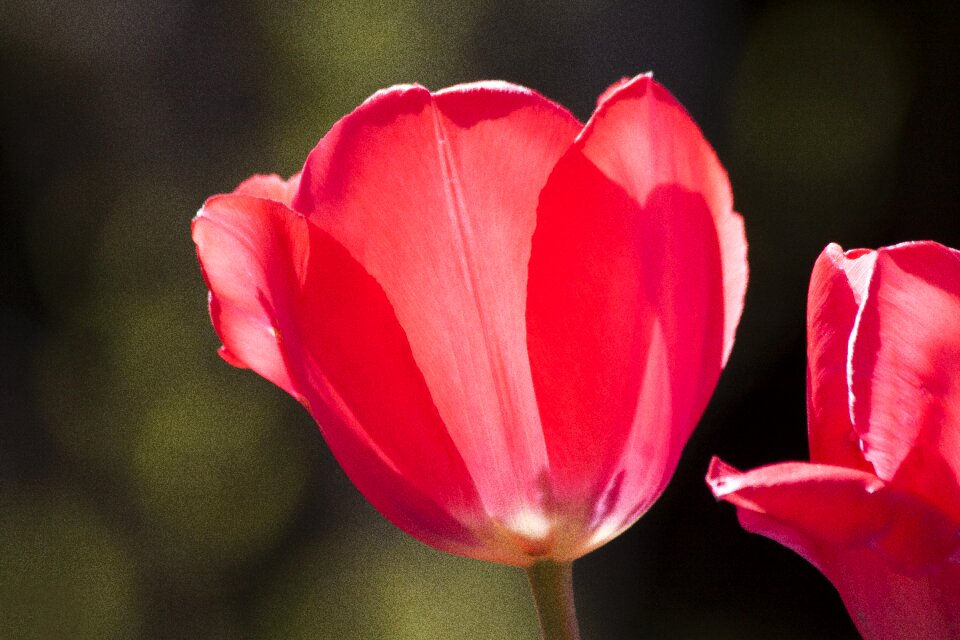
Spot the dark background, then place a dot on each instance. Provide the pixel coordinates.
(148, 490)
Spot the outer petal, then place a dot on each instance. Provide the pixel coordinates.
(886, 552)
(637, 278)
(904, 372)
(289, 302)
(642, 138)
(888, 605)
(837, 286)
(235, 238)
(813, 507)
(436, 196)
(614, 88)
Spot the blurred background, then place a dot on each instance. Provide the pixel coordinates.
(148, 490)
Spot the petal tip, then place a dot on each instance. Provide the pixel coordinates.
(637, 85)
(833, 250)
(719, 474)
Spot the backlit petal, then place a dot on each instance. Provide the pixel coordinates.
(837, 286)
(892, 558)
(289, 302)
(888, 605)
(235, 235)
(271, 186)
(642, 138)
(637, 278)
(812, 508)
(436, 196)
(904, 371)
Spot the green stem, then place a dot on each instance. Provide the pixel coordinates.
(552, 585)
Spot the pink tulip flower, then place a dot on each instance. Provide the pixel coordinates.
(877, 508)
(506, 323)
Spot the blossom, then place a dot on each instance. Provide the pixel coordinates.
(877, 508)
(506, 323)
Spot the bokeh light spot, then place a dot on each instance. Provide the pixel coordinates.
(216, 472)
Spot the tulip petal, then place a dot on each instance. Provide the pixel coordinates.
(903, 367)
(887, 553)
(289, 302)
(436, 196)
(270, 186)
(234, 235)
(837, 285)
(637, 277)
(642, 138)
(614, 88)
(887, 605)
(814, 508)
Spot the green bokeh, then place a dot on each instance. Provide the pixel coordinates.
(63, 572)
(329, 57)
(214, 473)
(203, 449)
(375, 582)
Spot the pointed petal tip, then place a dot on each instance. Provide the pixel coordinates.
(833, 250)
(637, 84)
(719, 475)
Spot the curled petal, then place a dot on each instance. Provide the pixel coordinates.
(818, 509)
(881, 519)
(837, 286)
(893, 559)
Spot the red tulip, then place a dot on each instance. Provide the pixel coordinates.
(877, 509)
(506, 323)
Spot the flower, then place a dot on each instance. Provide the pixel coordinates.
(877, 509)
(505, 323)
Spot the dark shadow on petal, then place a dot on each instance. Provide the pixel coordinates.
(608, 276)
(370, 398)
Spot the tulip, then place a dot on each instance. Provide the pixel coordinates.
(877, 508)
(506, 323)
